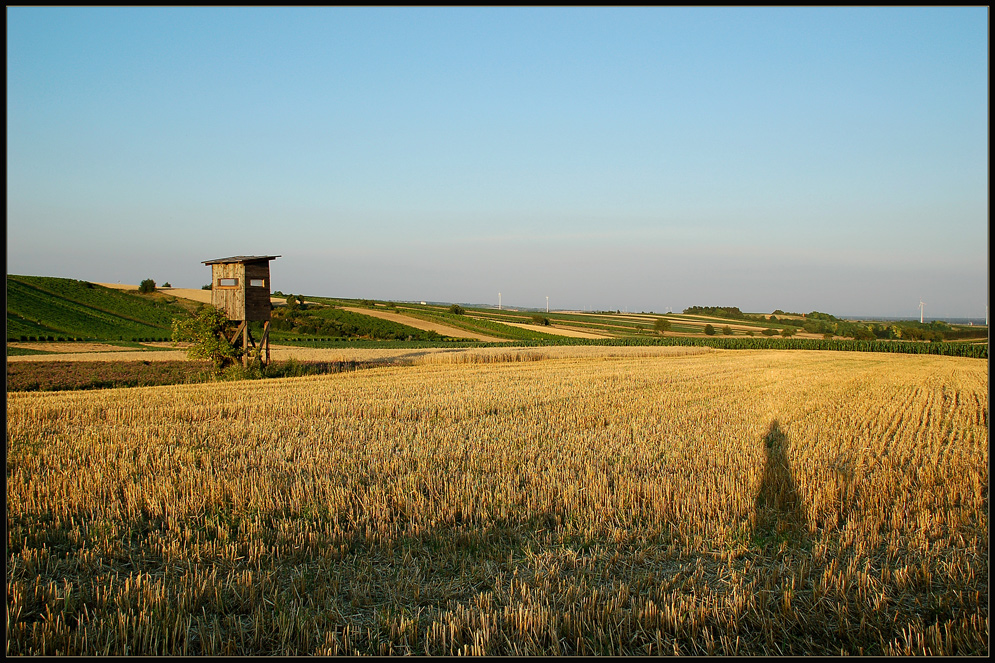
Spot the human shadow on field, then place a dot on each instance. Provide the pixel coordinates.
(779, 509)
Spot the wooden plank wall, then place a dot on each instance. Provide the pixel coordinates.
(257, 303)
(242, 301)
(231, 300)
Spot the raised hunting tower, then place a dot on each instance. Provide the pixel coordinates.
(240, 288)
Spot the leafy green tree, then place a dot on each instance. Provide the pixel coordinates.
(769, 332)
(456, 309)
(208, 330)
(709, 330)
(540, 320)
(146, 286)
(206, 287)
(788, 332)
(662, 325)
(727, 330)
(863, 334)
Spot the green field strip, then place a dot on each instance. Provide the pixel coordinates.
(90, 308)
(18, 326)
(73, 308)
(150, 308)
(73, 318)
(330, 321)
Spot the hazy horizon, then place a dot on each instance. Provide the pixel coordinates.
(830, 159)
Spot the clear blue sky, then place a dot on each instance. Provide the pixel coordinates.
(828, 159)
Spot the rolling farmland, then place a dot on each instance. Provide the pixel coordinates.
(588, 500)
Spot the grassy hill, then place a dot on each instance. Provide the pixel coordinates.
(42, 307)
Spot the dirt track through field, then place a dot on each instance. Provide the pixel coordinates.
(417, 323)
(556, 330)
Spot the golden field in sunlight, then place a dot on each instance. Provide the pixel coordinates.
(585, 501)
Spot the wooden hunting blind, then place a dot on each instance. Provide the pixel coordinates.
(240, 287)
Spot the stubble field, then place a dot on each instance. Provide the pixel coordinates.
(528, 502)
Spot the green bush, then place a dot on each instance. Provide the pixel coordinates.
(540, 320)
(661, 325)
(727, 330)
(456, 309)
(709, 330)
(208, 330)
(146, 286)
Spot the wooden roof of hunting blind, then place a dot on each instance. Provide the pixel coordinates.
(239, 259)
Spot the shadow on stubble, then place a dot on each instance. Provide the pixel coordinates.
(779, 511)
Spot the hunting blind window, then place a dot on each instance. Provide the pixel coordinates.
(227, 283)
(259, 283)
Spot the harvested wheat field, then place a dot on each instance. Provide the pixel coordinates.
(715, 502)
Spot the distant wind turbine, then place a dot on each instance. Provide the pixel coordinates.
(922, 307)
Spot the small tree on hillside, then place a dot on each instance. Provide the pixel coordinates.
(727, 330)
(146, 286)
(540, 320)
(456, 309)
(709, 330)
(662, 325)
(208, 330)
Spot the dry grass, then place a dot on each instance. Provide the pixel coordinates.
(75, 347)
(743, 502)
(121, 354)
